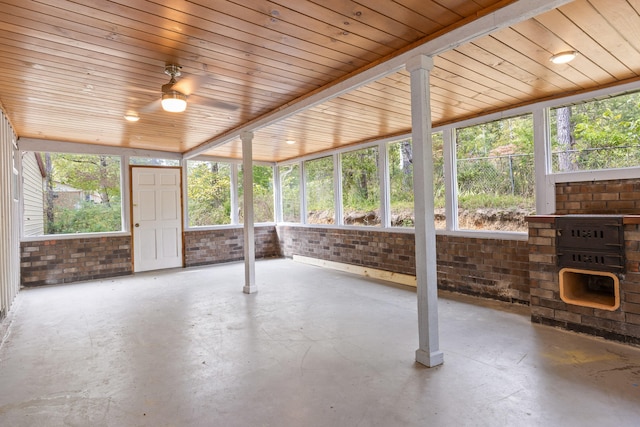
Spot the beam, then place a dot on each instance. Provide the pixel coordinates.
(44, 145)
(513, 13)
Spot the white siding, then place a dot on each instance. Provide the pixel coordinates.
(33, 197)
(9, 219)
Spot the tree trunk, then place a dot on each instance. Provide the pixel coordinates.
(48, 166)
(363, 180)
(406, 157)
(104, 181)
(566, 141)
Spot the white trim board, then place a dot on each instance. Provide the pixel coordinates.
(373, 273)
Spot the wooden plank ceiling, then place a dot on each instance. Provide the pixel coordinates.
(72, 69)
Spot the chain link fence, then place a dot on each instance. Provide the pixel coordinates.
(498, 175)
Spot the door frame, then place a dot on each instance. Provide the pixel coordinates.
(131, 220)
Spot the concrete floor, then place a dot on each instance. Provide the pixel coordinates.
(313, 347)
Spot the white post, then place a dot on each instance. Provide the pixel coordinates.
(428, 353)
(249, 237)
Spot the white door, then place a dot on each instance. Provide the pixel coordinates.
(157, 218)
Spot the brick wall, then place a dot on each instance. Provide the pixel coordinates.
(602, 197)
(493, 268)
(54, 261)
(224, 245)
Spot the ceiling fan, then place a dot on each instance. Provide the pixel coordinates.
(175, 92)
(173, 100)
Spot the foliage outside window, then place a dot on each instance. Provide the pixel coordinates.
(495, 172)
(208, 193)
(262, 194)
(81, 193)
(290, 192)
(151, 161)
(401, 182)
(361, 187)
(600, 134)
(319, 190)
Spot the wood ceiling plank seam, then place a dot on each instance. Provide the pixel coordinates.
(47, 86)
(284, 61)
(354, 107)
(135, 49)
(610, 37)
(355, 103)
(323, 132)
(409, 25)
(537, 60)
(469, 30)
(485, 75)
(600, 66)
(370, 18)
(580, 73)
(315, 121)
(52, 47)
(373, 100)
(199, 36)
(484, 86)
(540, 80)
(462, 8)
(363, 120)
(443, 16)
(43, 79)
(443, 100)
(353, 25)
(231, 29)
(264, 15)
(625, 19)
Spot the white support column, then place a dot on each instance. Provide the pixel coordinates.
(385, 186)
(249, 236)
(428, 353)
(545, 187)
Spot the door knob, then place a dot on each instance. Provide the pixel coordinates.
(137, 225)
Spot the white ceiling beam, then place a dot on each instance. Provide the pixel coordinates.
(511, 14)
(44, 145)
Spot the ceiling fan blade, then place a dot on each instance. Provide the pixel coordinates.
(190, 84)
(208, 102)
(152, 106)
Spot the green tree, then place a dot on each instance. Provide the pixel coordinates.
(208, 193)
(96, 178)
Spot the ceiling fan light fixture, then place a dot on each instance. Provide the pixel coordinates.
(564, 57)
(174, 101)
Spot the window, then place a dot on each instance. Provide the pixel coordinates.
(81, 194)
(600, 134)
(319, 190)
(262, 194)
(208, 193)
(290, 192)
(151, 161)
(496, 174)
(401, 182)
(361, 187)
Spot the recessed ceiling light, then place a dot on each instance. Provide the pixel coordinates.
(290, 141)
(563, 57)
(132, 117)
